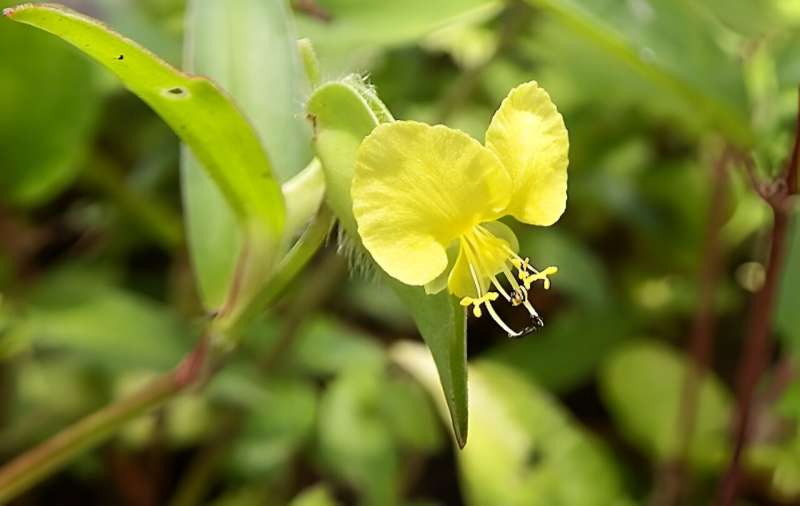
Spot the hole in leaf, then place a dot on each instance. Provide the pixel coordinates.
(176, 92)
(121, 57)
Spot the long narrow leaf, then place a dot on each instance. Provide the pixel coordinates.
(248, 47)
(197, 110)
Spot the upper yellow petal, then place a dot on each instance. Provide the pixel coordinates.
(528, 135)
(418, 187)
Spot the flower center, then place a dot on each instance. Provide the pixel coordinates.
(484, 252)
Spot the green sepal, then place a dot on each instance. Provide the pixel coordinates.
(342, 114)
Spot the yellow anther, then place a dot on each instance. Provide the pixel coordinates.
(523, 265)
(476, 302)
(528, 279)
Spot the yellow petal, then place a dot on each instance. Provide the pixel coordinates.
(481, 255)
(502, 231)
(460, 282)
(440, 282)
(418, 187)
(528, 135)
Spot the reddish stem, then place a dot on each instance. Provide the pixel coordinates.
(758, 345)
(672, 481)
(41, 461)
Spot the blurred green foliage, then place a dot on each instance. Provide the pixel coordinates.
(318, 407)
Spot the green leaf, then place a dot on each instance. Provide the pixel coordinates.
(667, 43)
(357, 29)
(75, 309)
(325, 347)
(343, 113)
(443, 324)
(44, 129)
(201, 114)
(642, 385)
(524, 448)
(368, 462)
(247, 47)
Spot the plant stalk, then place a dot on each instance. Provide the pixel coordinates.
(43, 460)
(701, 339)
(758, 344)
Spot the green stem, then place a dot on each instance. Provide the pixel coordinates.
(41, 461)
(288, 268)
(310, 62)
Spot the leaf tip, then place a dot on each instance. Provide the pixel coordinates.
(460, 434)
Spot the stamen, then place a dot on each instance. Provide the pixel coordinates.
(473, 244)
(487, 298)
(528, 279)
(472, 272)
(500, 322)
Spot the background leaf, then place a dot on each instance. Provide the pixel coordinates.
(248, 48)
(356, 30)
(524, 449)
(667, 43)
(199, 113)
(44, 130)
(641, 372)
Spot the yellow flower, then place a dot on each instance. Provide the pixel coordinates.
(426, 200)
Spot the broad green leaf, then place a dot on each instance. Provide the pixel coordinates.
(364, 400)
(355, 442)
(669, 44)
(248, 48)
(343, 113)
(201, 114)
(325, 347)
(642, 385)
(357, 29)
(524, 448)
(420, 433)
(73, 309)
(44, 129)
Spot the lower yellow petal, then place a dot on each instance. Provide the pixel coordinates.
(528, 135)
(416, 188)
(483, 254)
